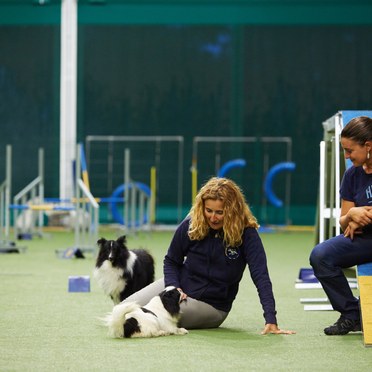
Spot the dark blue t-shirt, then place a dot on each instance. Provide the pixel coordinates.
(356, 187)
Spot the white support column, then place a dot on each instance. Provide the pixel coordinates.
(68, 96)
(338, 130)
(322, 183)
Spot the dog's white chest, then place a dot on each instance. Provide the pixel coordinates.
(110, 279)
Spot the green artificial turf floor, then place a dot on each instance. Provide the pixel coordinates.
(43, 327)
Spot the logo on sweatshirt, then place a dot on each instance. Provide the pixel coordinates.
(232, 253)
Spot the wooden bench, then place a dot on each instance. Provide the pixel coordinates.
(364, 273)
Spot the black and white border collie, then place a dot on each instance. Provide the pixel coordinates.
(158, 318)
(121, 272)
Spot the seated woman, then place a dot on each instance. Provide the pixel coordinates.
(354, 246)
(208, 255)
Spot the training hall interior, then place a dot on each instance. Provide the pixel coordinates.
(114, 114)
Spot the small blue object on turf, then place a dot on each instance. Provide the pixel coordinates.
(307, 275)
(79, 283)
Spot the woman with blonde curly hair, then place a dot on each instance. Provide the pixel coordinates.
(228, 192)
(208, 255)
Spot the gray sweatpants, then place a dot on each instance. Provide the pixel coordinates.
(194, 314)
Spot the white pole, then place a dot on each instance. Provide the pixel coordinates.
(322, 191)
(68, 96)
(338, 129)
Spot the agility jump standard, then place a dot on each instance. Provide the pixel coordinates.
(86, 208)
(6, 246)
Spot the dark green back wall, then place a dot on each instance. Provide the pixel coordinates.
(227, 81)
(227, 68)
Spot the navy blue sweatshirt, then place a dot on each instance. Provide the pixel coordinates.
(208, 272)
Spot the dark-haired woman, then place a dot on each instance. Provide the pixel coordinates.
(354, 246)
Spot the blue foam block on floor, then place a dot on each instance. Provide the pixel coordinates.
(307, 275)
(79, 283)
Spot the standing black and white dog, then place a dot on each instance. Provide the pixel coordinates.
(121, 272)
(158, 318)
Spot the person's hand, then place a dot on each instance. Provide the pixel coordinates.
(352, 229)
(183, 294)
(360, 215)
(274, 329)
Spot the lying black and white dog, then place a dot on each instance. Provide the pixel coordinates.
(119, 271)
(158, 318)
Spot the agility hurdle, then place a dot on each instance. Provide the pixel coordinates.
(137, 198)
(29, 200)
(87, 219)
(105, 163)
(86, 210)
(86, 230)
(7, 246)
(138, 208)
(5, 191)
(83, 206)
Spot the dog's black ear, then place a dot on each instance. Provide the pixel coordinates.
(171, 301)
(131, 326)
(101, 241)
(122, 240)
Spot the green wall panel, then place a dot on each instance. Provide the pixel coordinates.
(192, 12)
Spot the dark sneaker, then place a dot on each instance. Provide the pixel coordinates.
(342, 327)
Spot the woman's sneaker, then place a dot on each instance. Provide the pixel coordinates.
(343, 326)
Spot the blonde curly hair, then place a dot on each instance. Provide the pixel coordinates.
(236, 212)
